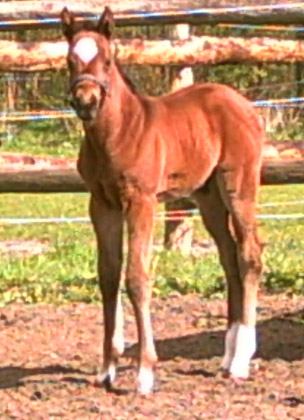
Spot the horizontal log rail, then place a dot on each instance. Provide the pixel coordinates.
(41, 181)
(283, 172)
(40, 56)
(68, 180)
(35, 14)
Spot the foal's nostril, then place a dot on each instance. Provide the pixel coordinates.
(80, 102)
(76, 102)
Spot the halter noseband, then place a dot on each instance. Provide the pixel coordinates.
(90, 77)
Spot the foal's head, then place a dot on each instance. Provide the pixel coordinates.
(89, 61)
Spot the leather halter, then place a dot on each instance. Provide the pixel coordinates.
(90, 77)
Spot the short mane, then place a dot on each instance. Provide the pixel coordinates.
(126, 79)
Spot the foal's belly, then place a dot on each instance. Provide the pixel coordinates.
(183, 183)
(188, 167)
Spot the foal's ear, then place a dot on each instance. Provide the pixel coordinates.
(68, 23)
(106, 23)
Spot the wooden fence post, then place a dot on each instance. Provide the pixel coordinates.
(179, 233)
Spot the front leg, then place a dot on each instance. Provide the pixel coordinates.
(108, 226)
(140, 219)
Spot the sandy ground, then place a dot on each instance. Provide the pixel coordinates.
(49, 356)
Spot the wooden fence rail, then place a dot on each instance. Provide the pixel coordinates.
(39, 56)
(68, 180)
(140, 12)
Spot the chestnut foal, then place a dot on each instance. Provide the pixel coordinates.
(204, 141)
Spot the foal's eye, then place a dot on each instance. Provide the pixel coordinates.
(107, 63)
(70, 63)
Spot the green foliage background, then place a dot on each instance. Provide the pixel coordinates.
(48, 90)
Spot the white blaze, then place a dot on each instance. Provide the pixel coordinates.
(86, 49)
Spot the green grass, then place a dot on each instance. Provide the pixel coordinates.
(49, 138)
(283, 257)
(66, 272)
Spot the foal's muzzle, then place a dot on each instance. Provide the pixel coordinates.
(85, 110)
(87, 104)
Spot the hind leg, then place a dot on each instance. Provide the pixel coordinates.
(216, 219)
(238, 187)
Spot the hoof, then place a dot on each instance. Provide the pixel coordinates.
(106, 377)
(224, 373)
(104, 383)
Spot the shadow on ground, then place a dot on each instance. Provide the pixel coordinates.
(278, 338)
(12, 376)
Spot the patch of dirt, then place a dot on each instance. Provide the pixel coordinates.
(49, 355)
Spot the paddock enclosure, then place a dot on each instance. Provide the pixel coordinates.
(183, 41)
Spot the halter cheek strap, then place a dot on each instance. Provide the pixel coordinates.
(90, 77)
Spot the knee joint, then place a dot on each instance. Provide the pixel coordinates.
(138, 287)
